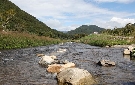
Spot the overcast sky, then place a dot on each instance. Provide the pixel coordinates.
(65, 15)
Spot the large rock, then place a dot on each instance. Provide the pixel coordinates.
(75, 76)
(106, 63)
(56, 68)
(46, 60)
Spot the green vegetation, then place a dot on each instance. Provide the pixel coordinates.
(12, 18)
(85, 29)
(12, 40)
(128, 30)
(105, 40)
(19, 29)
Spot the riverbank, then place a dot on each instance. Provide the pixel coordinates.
(123, 46)
(20, 66)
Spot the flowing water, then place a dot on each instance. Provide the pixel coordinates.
(20, 66)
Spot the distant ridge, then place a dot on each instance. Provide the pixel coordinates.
(86, 29)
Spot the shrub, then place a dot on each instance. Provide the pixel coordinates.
(12, 40)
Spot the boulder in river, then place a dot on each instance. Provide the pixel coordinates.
(46, 60)
(126, 52)
(129, 50)
(56, 68)
(75, 76)
(106, 63)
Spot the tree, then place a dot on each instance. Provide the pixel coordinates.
(5, 17)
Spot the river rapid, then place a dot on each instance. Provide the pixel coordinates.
(20, 66)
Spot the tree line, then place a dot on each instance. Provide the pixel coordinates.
(128, 30)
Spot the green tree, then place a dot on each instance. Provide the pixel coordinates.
(5, 18)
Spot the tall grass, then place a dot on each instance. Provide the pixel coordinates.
(10, 40)
(104, 40)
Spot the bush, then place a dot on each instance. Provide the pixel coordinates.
(12, 40)
(103, 40)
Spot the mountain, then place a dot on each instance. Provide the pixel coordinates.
(85, 29)
(12, 18)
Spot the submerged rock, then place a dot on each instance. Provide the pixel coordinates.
(61, 50)
(106, 63)
(75, 76)
(40, 55)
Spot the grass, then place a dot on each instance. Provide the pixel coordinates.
(104, 40)
(11, 40)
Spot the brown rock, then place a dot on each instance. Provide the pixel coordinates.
(40, 55)
(56, 68)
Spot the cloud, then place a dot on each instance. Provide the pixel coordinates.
(114, 22)
(53, 23)
(118, 1)
(61, 9)
(57, 13)
(122, 21)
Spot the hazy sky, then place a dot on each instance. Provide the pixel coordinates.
(65, 15)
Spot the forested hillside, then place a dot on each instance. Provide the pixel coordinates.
(128, 30)
(85, 29)
(12, 18)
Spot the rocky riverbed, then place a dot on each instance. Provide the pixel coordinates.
(20, 66)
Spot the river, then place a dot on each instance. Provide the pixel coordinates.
(20, 66)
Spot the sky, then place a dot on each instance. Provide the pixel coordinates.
(66, 15)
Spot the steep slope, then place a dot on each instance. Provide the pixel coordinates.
(86, 29)
(15, 19)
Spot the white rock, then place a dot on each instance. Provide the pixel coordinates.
(45, 60)
(106, 63)
(130, 48)
(75, 76)
(126, 51)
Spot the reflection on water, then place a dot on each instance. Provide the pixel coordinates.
(127, 57)
(20, 67)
